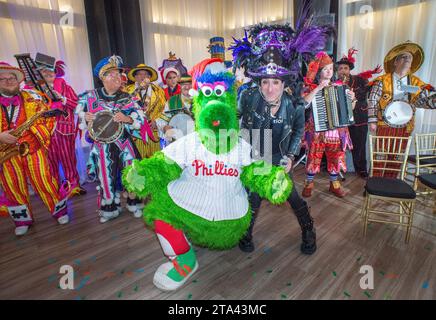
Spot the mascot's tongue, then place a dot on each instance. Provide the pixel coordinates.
(216, 123)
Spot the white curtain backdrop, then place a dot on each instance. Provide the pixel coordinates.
(390, 23)
(31, 26)
(185, 26)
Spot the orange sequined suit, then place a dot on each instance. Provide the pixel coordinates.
(15, 171)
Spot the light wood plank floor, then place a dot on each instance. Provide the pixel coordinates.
(117, 260)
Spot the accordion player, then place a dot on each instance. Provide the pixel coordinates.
(332, 108)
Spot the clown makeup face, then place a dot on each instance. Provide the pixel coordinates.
(112, 81)
(272, 89)
(343, 71)
(185, 87)
(403, 62)
(326, 72)
(172, 79)
(9, 84)
(141, 75)
(48, 75)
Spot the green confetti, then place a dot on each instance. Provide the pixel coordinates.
(283, 296)
(136, 289)
(358, 259)
(367, 294)
(119, 294)
(387, 297)
(382, 273)
(248, 257)
(289, 284)
(347, 294)
(254, 274)
(195, 281)
(190, 296)
(428, 248)
(334, 273)
(269, 271)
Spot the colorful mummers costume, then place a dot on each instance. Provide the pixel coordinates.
(391, 87)
(274, 53)
(172, 64)
(106, 160)
(33, 164)
(176, 104)
(333, 143)
(152, 101)
(359, 130)
(62, 150)
(197, 183)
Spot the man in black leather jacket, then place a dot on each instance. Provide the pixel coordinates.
(283, 115)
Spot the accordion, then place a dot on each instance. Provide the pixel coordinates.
(332, 108)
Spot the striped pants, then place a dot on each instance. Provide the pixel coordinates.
(62, 150)
(13, 179)
(146, 150)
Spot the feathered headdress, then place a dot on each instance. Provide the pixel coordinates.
(106, 64)
(279, 50)
(349, 59)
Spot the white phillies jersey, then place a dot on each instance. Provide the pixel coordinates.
(210, 184)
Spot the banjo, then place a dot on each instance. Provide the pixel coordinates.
(398, 114)
(104, 129)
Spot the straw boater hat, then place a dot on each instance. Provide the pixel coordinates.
(7, 68)
(141, 66)
(411, 47)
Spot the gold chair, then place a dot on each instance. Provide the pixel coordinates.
(388, 157)
(425, 159)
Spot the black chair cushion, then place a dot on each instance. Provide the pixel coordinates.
(428, 180)
(389, 187)
(412, 158)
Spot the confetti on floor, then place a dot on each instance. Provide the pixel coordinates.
(387, 297)
(248, 257)
(254, 274)
(72, 242)
(382, 273)
(194, 281)
(334, 273)
(367, 294)
(83, 282)
(120, 294)
(52, 278)
(283, 296)
(139, 270)
(347, 294)
(77, 261)
(190, 296)
(269, 271)
(289, 284)
(267, 250)
(427, 248)
(51, 260)
(358, 259)
(136, 288)
(93, 258)
(425, 285)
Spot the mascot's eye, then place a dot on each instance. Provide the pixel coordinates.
(219, 90)
(207, 91)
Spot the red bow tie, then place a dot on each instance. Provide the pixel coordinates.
(7, 101)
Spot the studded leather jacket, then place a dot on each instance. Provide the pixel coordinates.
(252, 108)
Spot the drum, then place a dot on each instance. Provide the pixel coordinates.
(398, 114)
(104, 129)
(182, 124)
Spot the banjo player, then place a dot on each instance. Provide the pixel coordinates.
(395, 93)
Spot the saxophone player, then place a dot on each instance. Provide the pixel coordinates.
(16, 107)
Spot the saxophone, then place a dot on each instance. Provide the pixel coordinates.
(7, 151)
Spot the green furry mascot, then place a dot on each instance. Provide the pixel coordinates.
(197, 184)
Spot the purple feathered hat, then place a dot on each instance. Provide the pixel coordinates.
(279, 51)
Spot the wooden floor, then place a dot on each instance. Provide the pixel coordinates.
(117, 260)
